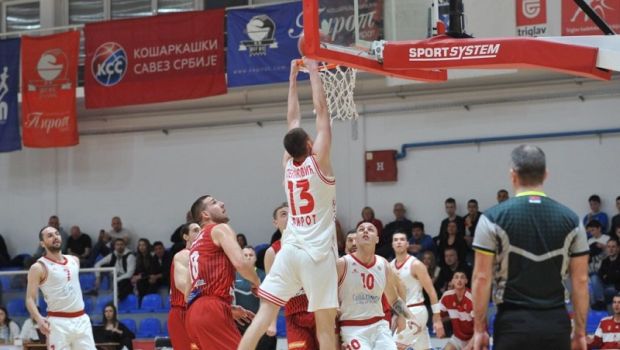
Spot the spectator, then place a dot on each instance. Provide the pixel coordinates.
(280, 219)
(247, 300)
(502, 196)
(163, 260)
(9, 330)
(428, 258)
(145, 275)
(420, 242)
(450, 205)
(384, 247)
(340, 237)
(597, 243)
(471, 220)
(119, 232)
(176, 238)
(451, 239)
(606, 335)
(115, 331)
(79, 244)
(243, 242)
(102, 247)
(615, 221)
(596, 213)
(54, 222)
(125, 262)
(616, 234)
(350, 245)
(29, 332)
(450, 265)
(5, 258)
(607, 281)
(400, 223)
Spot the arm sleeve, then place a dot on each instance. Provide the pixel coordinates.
(106, 260)
(14, 330)
(579, 245)
(484, 239)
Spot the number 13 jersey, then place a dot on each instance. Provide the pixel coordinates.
(311, 200)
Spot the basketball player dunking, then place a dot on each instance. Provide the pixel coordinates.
(415, 277)
(179, 290)
(308, 256)
(213, 258)
(57, 275)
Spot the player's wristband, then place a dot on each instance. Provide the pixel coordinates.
(436, 308)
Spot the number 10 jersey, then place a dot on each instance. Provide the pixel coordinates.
(311, 200)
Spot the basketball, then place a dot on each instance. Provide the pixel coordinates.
(300, 45)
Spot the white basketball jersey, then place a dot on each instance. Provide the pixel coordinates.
(61, 289)
(361, 288)
(311, 200)
(414, 288)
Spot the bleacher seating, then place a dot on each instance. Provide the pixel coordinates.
(87, 281)
(102, 301)
(164, 329)
(594, 318)
(129, 304)
(131, 324)
(89, 305)
(149, 328)
(281, 326)
(151, 303)
(16, 307)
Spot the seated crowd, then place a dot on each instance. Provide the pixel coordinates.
(146, 268)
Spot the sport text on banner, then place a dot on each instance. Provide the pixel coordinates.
(49, 78)
(9, 84)
(262, 41)
(155, 59)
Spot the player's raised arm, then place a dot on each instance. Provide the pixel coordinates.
(322, 143)
(293, 114)
(224, 236)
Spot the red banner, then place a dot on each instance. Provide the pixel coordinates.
(576, 22)
(49, 78)
(155, 59)
(531, 17)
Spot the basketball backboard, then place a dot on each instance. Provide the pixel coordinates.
(403, 39)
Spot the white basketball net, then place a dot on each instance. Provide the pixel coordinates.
(339, 84)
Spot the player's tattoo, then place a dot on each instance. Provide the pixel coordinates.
(400, 308)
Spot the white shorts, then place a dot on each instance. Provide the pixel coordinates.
(376, 336)
(294, 269)
(458, 343)
(70, 333)
(408, 336)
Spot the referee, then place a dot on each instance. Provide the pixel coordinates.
(526, 245)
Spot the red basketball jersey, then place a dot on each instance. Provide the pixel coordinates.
(212, 274)
(176, 296)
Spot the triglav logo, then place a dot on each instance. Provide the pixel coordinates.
(530, 8)
(600, 6)
(4, 88)
(109, 64)
(52, 69)
(261, 30)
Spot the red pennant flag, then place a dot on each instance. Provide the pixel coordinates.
(49, 78)
(155, 59)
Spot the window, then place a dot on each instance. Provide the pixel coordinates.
(167, 6)
(131, 8)
(213, 4)
(21, 16)
(85, 11)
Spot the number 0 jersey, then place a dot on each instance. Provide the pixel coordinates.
(212, 274)
(311, 200)
(360, 290)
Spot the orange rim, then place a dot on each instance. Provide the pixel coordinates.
(323, 66)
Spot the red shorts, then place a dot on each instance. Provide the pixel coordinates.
(301, 331)
(176, 329)
(210, 324)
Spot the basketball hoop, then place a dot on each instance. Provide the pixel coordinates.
(338, 83)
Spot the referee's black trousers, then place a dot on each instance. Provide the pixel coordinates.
(527, 329)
